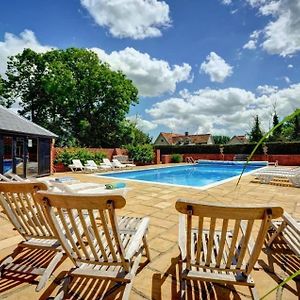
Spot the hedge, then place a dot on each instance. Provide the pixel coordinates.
(273, 148)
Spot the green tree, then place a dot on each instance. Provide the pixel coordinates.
(296, 128)
(133, 135)
(277, 133)
(255, 134)
(73, 94)
(221, 139)
(291, 129)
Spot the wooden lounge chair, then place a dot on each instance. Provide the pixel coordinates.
(28, 219)
(289, 229)
(224, 252)
(110, 248)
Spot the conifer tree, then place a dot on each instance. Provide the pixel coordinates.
(256, 133)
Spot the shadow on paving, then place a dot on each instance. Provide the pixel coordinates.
(195, 289)
(281, 263)
(88, 288)
(32, 258)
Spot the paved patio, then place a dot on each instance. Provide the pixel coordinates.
(159, 278)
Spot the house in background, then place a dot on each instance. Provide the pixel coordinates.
(238, 139)
(165, 138)
(25, 147)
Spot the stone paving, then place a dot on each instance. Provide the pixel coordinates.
(159, 278)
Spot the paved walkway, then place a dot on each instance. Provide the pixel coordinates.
(159, 278)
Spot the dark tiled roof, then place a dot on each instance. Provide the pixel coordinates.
(242, 138)
(192, 138)
(174, 138)
(169, 136)
(12, 122)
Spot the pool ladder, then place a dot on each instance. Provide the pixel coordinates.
(189, 160)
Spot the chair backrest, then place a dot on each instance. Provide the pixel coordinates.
(116, 162)
(107, 161)
(94, 226)
(228, 228)
(25, 214)
(121, 158)
(91, 163)
(77, 163)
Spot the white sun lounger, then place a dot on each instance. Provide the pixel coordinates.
(78, 166)
(292, 175)
(117, 164)
(289, 229)
(106, 164)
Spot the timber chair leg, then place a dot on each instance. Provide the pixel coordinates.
(182, 281)
(146, 247)
(276, 233)
(254, 293)
(133, 271)
(48, 271)
(64, 288)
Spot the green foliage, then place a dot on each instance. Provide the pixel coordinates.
(73, 94)
(141, 153)
(255, 134)
(277, 134)
(221, 139)
(133, 135)
(176, 158)
(65, 155)
(273, 148)
(265, 137)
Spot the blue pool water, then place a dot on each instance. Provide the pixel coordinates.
(197, 175)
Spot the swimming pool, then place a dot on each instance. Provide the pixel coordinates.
(196, 175)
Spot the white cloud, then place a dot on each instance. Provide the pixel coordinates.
(266, 89)
(153, 77)
(135, 19)
(142, 124)
(226, 2)
(224, 111)
(216, 67)
(282, 34)
(250, 45)
(13, 45)
(287, 79)
(290, 66)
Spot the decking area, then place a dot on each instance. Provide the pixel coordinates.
(159, 279)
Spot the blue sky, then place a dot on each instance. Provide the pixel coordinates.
(200, 66)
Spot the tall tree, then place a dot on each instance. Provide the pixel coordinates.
(73, 94)
(277, 133)
(296, 128)
(255, 134)
(221, 139)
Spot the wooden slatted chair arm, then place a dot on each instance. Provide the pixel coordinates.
(136, 240)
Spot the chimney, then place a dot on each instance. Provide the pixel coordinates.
(186, 133)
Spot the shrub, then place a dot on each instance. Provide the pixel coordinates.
(176, 158)
(65, 155)
(141, 153)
